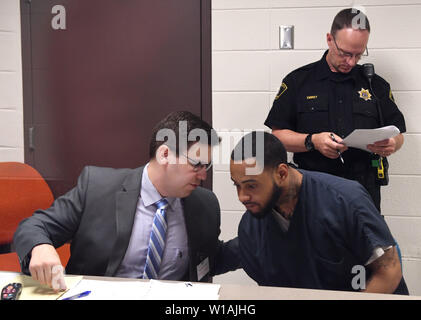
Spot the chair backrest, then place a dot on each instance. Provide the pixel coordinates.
(22, 191)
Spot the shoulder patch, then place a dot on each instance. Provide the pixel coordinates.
(283, 88)
(391, 95)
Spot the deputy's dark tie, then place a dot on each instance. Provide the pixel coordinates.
(156, 241)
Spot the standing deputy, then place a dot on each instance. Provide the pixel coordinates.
(321, 103)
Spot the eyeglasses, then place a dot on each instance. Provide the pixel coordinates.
(349, 55)
(197, 165)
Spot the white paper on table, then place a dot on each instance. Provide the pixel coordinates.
(360, 138)
(183, 291)
(6, 277)
(110, 290)
(142, 290)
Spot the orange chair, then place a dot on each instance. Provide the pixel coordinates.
(22, 191)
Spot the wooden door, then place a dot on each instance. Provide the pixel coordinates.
(94, 89)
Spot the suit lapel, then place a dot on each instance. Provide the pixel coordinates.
(193, 208)
(126, 201)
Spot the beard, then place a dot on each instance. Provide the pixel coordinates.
(276, 193)
(337, 64)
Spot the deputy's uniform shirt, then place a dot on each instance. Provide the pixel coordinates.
(334, 227)
(314, 99)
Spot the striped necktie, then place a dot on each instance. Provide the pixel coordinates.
(156, 241)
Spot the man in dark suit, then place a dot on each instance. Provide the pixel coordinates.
(109, 216)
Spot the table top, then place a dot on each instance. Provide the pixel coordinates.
(240, 292)
(247, 292)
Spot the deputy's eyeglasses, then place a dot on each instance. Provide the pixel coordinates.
(350, 55)
(198, 165)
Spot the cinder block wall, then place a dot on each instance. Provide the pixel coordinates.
(248, 69)
(11, 105)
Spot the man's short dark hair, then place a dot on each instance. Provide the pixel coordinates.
(350, 18)
(181, 125)
(272, 149)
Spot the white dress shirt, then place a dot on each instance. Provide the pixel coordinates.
(174, 263)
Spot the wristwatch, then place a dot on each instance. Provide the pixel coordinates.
(308, 143)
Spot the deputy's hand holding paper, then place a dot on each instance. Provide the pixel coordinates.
(360, 138)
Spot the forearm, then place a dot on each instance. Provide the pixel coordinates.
(30, 233)
(293, 141)
(227, 258)
(386, 273)
(327, 143)
(382, 284)
(399, 140)
(55, 225)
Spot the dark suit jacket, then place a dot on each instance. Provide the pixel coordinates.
(97, 217)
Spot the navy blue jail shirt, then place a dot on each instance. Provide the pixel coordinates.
(335, 226)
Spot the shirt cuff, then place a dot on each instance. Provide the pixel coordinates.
(377, 253)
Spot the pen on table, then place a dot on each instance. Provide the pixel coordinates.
(78, 296)
(340, 154)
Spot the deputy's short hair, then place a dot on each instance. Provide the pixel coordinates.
(350, 18)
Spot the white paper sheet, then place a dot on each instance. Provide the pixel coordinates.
(110, 290)
(360, 138)
(6, 277)
(183, 291)
(142, 290)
